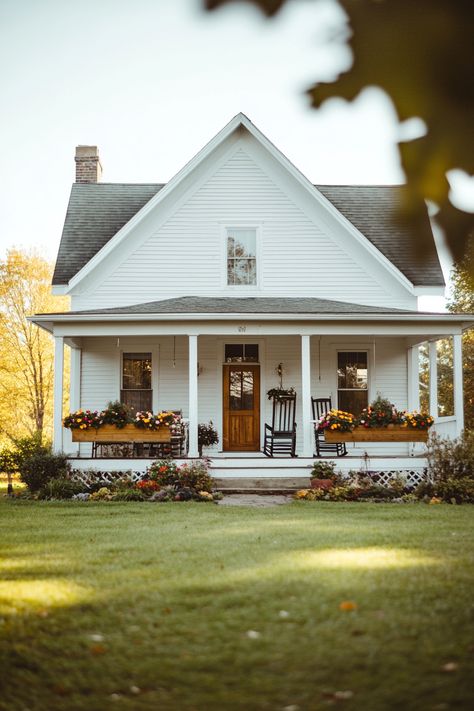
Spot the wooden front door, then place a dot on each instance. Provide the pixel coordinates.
(241, 407)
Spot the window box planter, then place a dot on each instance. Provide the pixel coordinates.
(391, 433)
(129, 433)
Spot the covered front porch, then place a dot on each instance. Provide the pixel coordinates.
(189, 357)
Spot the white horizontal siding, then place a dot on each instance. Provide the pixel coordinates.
(297, 254)
(100, 378)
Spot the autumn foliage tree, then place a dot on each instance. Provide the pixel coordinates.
(462, 300)
(26, 352)
(420, 52)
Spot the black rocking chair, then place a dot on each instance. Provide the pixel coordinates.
(320, 406)
(280, 436)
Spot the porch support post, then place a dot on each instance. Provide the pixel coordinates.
(75, 387)
(58, 393)
(433, 380)
(193, 397)
(413, 399)
(74, 396)
(306, 396)
(458, 384)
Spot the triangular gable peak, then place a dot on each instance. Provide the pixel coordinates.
(200, 168)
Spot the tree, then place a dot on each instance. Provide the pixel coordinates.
(26, 352)
(420, 53)
(462, 300)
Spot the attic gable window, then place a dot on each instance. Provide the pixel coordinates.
(241, 257)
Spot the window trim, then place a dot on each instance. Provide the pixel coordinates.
(141, 347)
(239, 288)
(334, 347)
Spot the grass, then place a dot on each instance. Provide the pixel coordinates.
(147, 606)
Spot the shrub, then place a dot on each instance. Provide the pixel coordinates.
(453, 491)
(147, 487)
(23, 448)
(323, 470)
(103, 494)
(164, 472)
(60, 488)
(195, 476)
(451, 459)
(40, 468)
(127, 494)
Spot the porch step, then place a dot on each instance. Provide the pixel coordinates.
(267, 485)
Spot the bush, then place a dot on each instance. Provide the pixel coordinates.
(103, 494)
(164, 472)
(451, 459)
(323, 470)
(451, 490)
(39, 469)
(60, 488)
(195, 476)
(127, 493)
(12, 458)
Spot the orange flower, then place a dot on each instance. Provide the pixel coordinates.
(348, 606)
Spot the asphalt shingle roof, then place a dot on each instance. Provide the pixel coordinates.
(96, 212)
(248, 305)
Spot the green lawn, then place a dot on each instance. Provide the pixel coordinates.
(148, 606)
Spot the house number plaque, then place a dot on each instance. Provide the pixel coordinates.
(242, 329)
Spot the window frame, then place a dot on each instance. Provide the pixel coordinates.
(140, 347)
(248, 288)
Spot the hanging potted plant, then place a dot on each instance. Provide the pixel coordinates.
(280, 392)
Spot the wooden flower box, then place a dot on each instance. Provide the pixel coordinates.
(392, 433)
(129, 433)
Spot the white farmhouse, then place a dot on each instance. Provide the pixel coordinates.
(189, 296)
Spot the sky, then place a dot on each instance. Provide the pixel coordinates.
(151, 81)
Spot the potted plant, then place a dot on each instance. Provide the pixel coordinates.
(323, 475)
(207, 436)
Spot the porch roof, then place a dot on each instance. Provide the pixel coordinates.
(243, 305)
(207, 313)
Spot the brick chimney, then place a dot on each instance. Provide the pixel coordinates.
(88, 166)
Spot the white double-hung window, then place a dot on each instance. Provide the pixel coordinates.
(241, 256)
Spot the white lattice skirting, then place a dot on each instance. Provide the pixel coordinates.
(90, 477)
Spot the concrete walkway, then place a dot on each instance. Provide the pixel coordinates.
(261, 501)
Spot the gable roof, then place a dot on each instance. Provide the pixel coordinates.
(97, 211)
(77, 257)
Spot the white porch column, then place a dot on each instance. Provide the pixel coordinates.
(433, 380)
(308, 429)
(413, 395)
(74, 397)
(193, 396)
(458, 384)
(58, 394)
